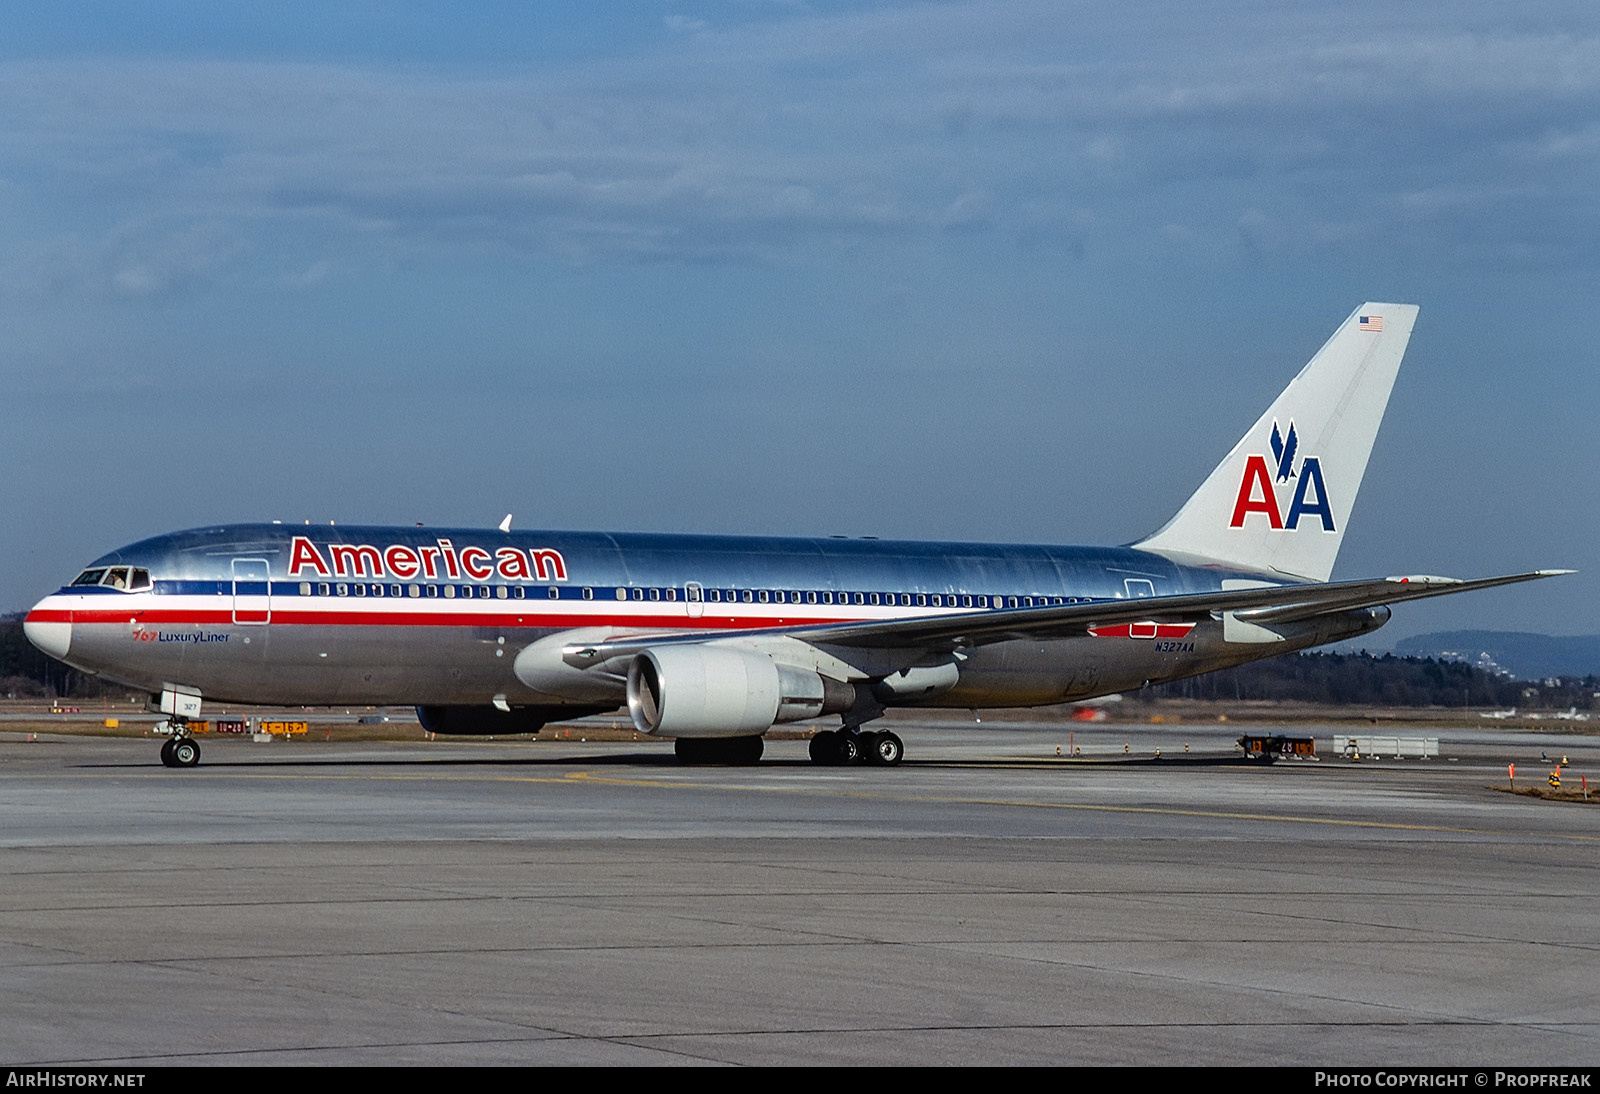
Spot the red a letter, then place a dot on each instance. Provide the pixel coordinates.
(1255, 471)
(303, 553)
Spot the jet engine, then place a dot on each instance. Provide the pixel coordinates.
(694, 690)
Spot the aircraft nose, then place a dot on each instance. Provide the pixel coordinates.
(48, 629)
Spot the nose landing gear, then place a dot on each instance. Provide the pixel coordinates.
(180, 750)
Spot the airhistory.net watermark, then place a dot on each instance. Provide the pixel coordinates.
(44, 1078)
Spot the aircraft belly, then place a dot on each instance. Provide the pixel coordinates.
(314, 665)
(1037, 673)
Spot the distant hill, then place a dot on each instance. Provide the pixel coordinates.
(1525, 656)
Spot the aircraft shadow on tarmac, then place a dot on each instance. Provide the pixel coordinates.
(668, 760)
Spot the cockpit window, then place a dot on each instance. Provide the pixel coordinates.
(127, 579)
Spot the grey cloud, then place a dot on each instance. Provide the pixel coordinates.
(746, 142)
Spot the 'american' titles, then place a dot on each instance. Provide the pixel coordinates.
(439, 562)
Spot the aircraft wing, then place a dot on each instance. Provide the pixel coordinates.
(1261, 606)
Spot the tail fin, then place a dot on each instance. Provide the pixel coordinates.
(1280, 500)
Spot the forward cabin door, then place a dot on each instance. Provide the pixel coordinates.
(252, 591)
(695, 597)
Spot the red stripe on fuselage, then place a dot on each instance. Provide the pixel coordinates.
(563, 621)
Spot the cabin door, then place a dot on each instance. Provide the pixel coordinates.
(252, 591)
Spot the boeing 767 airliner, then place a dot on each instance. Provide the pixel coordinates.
(713, 640)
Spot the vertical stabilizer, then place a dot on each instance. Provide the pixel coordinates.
(1279, 502)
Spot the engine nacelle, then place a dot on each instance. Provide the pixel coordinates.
(694, 690)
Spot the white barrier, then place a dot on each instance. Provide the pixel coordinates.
(1399, 748)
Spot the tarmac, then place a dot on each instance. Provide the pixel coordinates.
(567, 902)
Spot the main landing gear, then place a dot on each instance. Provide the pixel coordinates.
(836, 747)
(180, 750)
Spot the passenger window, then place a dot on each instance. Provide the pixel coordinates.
(764, 597)
(449, 592)
(622, 594)
(305, 588)
(860, 599)
(811, 598)
(638, 594)
(555, 593)
(672, 594)
(377, 590)
(415, 591)
(395, 590)
(322, 588)
(500, 592)
(520, 593)
(433, 591)
(749, 596)
(588, 593)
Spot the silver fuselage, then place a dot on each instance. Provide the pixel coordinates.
(286, 614)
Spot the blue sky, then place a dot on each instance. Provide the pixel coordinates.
(995, 271)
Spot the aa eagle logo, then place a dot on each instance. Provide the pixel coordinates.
(1284, 451)
(1257, 495)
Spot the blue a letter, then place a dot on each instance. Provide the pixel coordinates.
(1310, 471)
